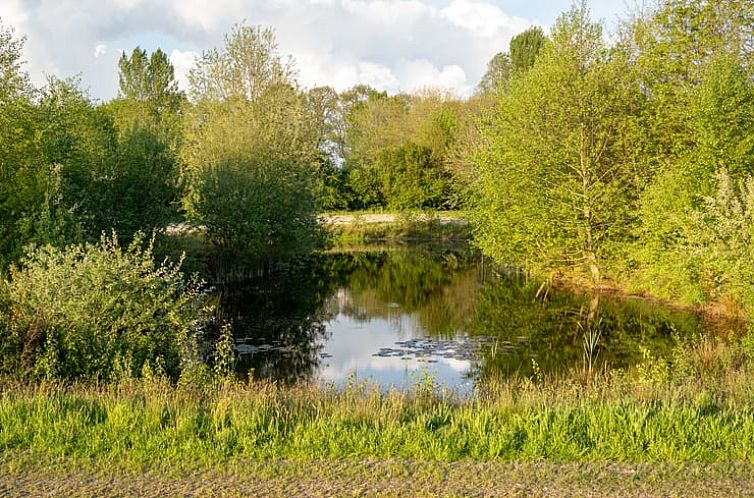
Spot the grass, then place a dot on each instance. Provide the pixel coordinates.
(697, 414)
(679, 428)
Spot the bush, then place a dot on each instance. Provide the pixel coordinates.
(98, 311)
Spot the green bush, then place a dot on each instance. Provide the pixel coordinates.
(99, 311)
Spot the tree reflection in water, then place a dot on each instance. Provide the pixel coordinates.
(282, 321)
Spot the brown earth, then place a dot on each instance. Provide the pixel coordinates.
(23, 475)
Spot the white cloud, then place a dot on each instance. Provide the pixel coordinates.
(395, 45)
(182, 62)
(418, 74)
(11, 12)
(480, 17)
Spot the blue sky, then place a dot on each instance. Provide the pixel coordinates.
(395, 45)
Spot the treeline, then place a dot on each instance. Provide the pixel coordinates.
(247, 153)
(628, 162)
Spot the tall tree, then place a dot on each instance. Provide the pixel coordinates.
(498, 73)
(526, 47)
(23, 177)
(387, 139)
(248, 65)
(251, 146)
(558, 173)
(695, 62)
(149, 93)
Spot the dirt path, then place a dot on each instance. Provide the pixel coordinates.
(383, 478)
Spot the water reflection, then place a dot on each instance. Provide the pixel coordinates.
(396, 314)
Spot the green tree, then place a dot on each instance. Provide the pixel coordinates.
(330, 178)
(149, 79)
(148, 116)
(247, 66)
(694, 59)
(559, 171)
(250, 151)
(24, 177)
(410, 179)
(525, 48)
(380, 127)
(79, 140)
(498, 73)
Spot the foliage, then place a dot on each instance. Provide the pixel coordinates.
(525, 47)
(248, 166)
(693, 55)
(559, 172)
(99, 311)
(385, 135)
(523, 52)
(498, 73)
(22, 180)
(150, 80)
(109, 180)
(410, 178)
(246, 67)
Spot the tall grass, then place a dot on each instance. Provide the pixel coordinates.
(639, 416)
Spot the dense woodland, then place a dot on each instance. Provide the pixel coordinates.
(623, 159)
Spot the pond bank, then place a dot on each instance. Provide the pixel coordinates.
(692, 414)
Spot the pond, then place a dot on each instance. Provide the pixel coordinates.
(399, 315)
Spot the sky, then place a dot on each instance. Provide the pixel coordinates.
(393, 45)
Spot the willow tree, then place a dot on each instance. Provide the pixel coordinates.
(250, 150)
(559, 167)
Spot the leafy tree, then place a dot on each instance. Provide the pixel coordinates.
(148, 117)
(24, 176)
(694, 59)
(251, 147)
(525, 48)
(558, 176)
(108, 180)
(382, 125)
(13, 81)
(498, 73)
(523, 51)
(330, 178)
(410, 178)
(247, 66)
(79, 140)
(151, 81)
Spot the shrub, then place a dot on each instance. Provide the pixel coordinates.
(97, 311)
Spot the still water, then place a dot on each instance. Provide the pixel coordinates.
(395, 315)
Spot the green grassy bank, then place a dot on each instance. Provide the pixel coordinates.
(697, 412)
